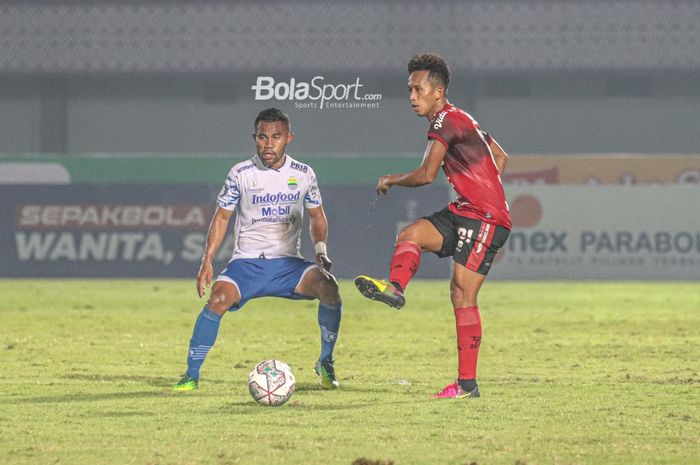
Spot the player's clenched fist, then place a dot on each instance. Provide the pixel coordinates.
(384, 184)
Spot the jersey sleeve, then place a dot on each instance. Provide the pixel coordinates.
(312, 198)
(230, 192)
(444, 130)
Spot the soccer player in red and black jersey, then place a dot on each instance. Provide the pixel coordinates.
(470, 230)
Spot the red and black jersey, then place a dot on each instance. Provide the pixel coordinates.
(470, 167)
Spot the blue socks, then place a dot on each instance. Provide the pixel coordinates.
(205, 331)
(206, 328)
(329, 322)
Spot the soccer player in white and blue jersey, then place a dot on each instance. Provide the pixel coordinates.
(269, 194)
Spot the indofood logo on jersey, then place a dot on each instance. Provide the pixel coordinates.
(317, 93)
(274, 199)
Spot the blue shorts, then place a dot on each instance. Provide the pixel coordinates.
(266, 277)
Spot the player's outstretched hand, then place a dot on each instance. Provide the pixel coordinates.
(323, 261)
(384, 184)
(204, 277)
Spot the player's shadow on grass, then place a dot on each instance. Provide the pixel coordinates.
(250, 407)
(365, 404)
(157, 381)
(345, 387)
(82, 397)
(165, 383)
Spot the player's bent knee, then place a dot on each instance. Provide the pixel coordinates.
(408, 234)
(321, 285)
(220, 301)
(217, 308)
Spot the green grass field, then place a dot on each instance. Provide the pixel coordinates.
(570, 373)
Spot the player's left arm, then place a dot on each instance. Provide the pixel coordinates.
(500, 157)
(424, 174)
(318, 227)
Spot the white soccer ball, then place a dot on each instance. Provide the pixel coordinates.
(271, 383)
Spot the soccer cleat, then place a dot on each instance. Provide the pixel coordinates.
(380, 290)
(186, 384)
(327, 373)
(455, 391)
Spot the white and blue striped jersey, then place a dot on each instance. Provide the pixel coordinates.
(269, 205)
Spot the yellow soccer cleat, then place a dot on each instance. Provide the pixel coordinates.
(380, 290)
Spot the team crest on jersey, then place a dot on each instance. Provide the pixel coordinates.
(292, 183)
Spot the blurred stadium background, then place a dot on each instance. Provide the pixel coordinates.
(120, 119)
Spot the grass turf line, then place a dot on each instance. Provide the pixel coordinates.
(570, 373)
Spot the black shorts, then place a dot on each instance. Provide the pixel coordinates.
(470, 242)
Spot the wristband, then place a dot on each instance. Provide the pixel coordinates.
(320, 248)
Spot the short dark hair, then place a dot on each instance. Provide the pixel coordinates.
(435, 65)
(272, 115)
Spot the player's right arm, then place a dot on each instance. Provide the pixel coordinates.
(500, 157)
(424, 174)
(215, 236)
